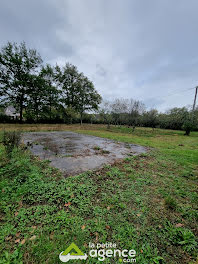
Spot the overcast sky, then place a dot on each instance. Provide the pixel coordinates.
(141, 49)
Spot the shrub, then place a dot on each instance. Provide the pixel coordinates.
(188, 126)
(11, 140)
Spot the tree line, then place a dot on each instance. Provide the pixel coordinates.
(44, 93)
(41, 92)
(134, 113)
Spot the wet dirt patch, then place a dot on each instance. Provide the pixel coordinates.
(74, 153)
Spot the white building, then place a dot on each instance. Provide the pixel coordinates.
(11, 111)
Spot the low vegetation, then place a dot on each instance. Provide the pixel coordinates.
(11, 140)
(133, 113)
(148, 202)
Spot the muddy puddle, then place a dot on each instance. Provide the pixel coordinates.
(74, 153)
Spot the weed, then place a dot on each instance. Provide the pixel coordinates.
(12, 258)
(187, 240)
(11, 140)
(96, 148)
(182, 237)
(45, 148)
(36, 143)
(170, 203)
(103, 151)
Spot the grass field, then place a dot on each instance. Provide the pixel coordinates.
(148, 203)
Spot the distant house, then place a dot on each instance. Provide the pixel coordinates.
(11, 112)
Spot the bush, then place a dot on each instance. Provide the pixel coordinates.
(11, 140)
(188, 127)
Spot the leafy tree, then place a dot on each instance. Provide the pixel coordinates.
(87, 98)
(176, 117)
(67, 79)
(68, 114)
(188, 126)
(42, 95)
(17, 64)
(190, 122)
(150, 118)
(36, 97)
(77, 91)
(51, 92)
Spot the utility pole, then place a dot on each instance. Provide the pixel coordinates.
(195, 98)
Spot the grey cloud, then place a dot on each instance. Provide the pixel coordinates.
(34, 22)
(140, 49)
(100, 71)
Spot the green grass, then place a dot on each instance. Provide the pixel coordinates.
(148, 203)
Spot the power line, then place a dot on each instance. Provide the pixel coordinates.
(180, 91)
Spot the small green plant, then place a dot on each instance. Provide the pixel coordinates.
(96, 148)
(187, 240)
(45, 148)
(14, 258)
(170, 203)
(11, 139)
(105, 151)
(127, 145)
(183, 237)
(36, 143)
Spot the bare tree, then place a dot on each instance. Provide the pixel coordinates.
(135, 109)
(119, 108)
(105, 112)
